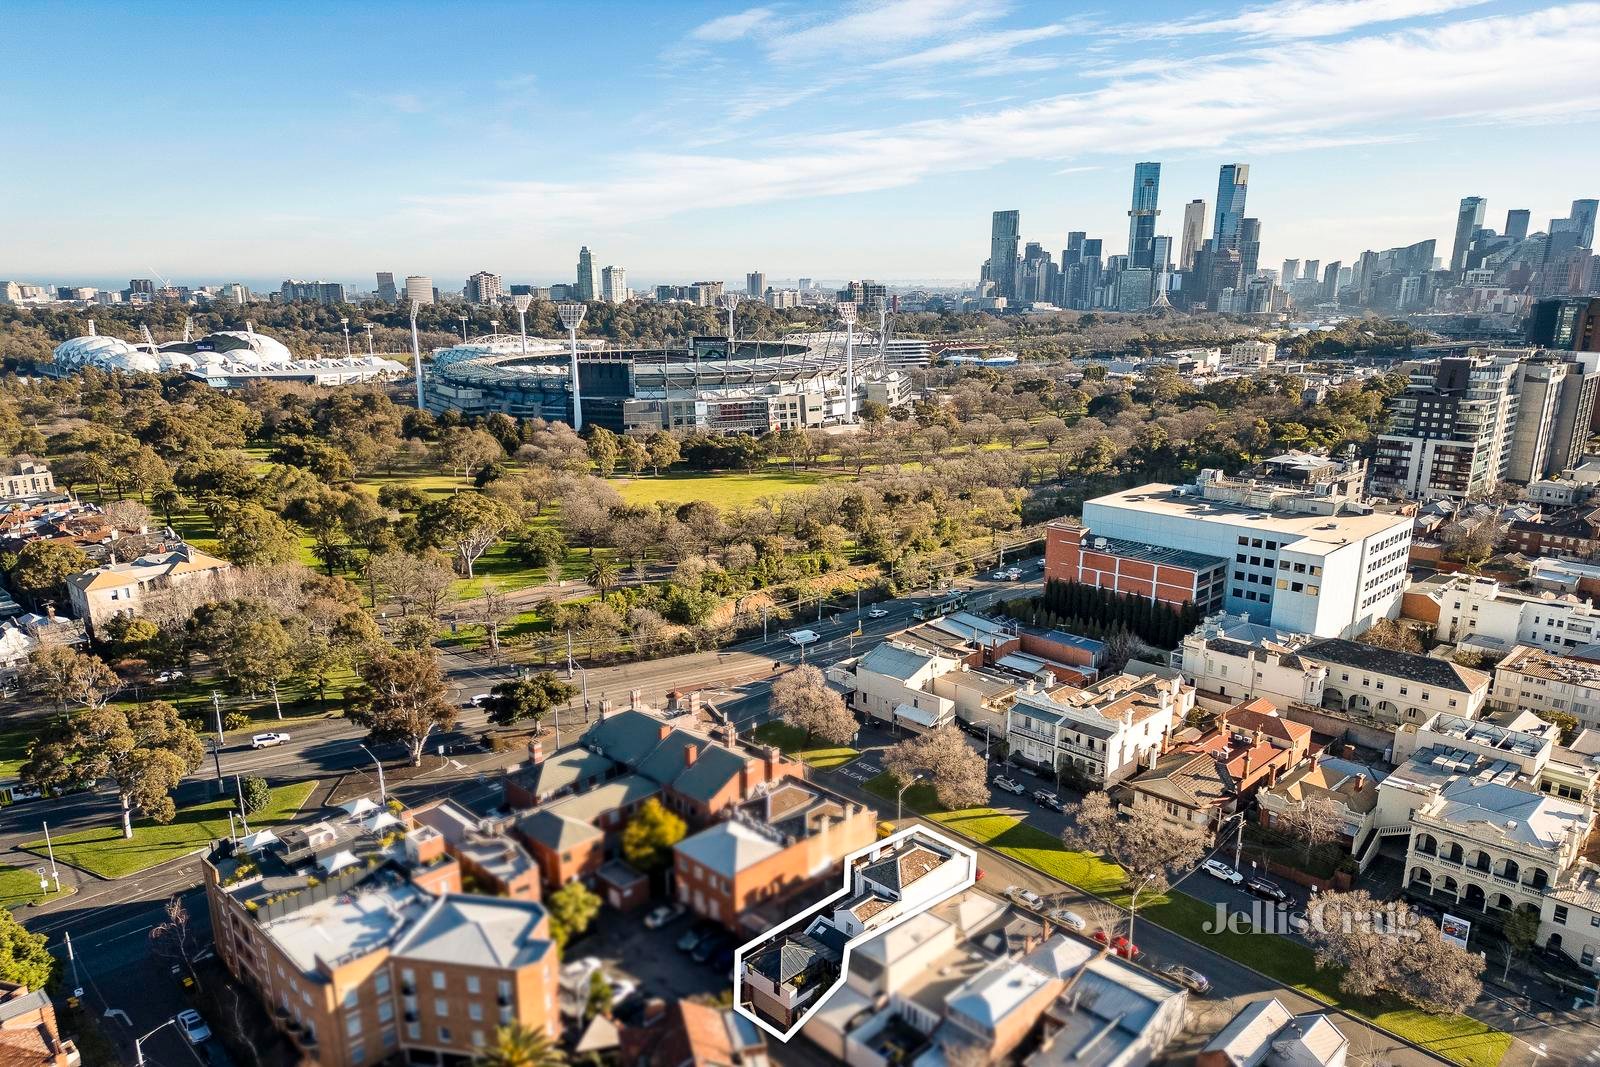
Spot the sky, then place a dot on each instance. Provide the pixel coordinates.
(688, 141)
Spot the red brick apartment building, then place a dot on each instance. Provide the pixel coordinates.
(1173, 576)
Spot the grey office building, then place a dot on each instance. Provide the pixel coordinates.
(1194, 232)
(386, 290)
(1142, 214)
(588, 276)
(1233, 182)
(1517, 223)
(1004, 234)
(1583, 212)
(1469, 219)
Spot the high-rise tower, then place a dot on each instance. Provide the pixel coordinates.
(1142, 214)
(1469, 219)
(588, 276)
(1194, 232)
(1233, 182)
(1004, 233)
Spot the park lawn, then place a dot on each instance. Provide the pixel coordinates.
(1456, 1037)
(102, 851)
(14, 747)
(723, 488)
(19, 886)
(793, 743)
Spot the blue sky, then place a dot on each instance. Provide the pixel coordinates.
(687, 141)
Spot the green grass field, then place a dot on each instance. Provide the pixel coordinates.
(19, 887)
(14, 743)
(793, 743)
(102, 851)
(1456, 1037)
(725, 488)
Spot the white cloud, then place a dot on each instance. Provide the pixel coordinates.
(733, 27)
(1297, 19)
(1298, 95)
(985, 46)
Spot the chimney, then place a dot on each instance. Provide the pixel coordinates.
(536, 751)
(673, 696)
(634, 696)
(690, 754)
(1361, 782)
(662, 732)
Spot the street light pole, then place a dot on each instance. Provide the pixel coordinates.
(51, 849)
(138, 1042)
(899, 798)
(1133, 904)
(383, 792)
(216, 753)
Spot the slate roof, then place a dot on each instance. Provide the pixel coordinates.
(555, 831)
(635, 739)
(1424, 670)
(728, 847)
(478, 931)
(626, 736)
(791, 957)
(713, 769)
(895, 661)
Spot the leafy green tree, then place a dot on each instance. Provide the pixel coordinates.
(402, 698)
(252, 536)
(518, 1045)
(527, 698)
(648, 838)
(246, 640)
(664, 451)
(600, 996)
(603, 450)
(257, 794)
(603, 574)
(65, 677)
(143, 751)
(468, 524)
(24, 957)
(43, 567)
(572, 908)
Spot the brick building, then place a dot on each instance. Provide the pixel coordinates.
(29, 1036)
(1173, 576)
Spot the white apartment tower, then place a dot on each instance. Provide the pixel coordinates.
(419, 289)
(614, 285)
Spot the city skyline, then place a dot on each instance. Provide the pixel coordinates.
(681, 175)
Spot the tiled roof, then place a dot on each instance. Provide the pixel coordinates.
(478, 931)
(555, 831)
(728, 847)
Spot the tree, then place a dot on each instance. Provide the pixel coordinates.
(1472, 541)
(402, 698)
(603, 449)
(173, 938)
(600, 995)
(1517, 936)
(416, 583)
(245, 639)
(527, 698)
(468, 524)
(603, 574)
(944, 759)
(572, 908)
(1384, 947)
(1567, 722)
(257, 794)
(1394, 636)
(494, 609)
(143, 751)
(648, 838)
(1316, 820)
(518, 1045)
(1149, 848)
(43, 567)
(65, 676)
(24, 957)
(252, 536)
(803, 699)
(663, 449)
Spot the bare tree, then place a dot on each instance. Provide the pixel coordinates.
(173, 938)
(493, 608)
(1148, 847)
(1385, 948)
(1316, 820)
(416, 583)
(944, 759)
(803, 699)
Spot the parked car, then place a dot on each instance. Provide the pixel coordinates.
(192, 1027)
(694, 935)
(708, 949)
(1070, 919)
(1119, 945)
(1046, 799)
(662, 914)
(1189, 978)
(1000, 575)
(1010, 785)
(169, 676)
(1026, 897)
(1220, 870)
(1260, 887)
(268, 740)
(477, 701)
(877, 613)
(20, 793)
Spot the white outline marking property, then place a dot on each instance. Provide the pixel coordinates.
(892, 840)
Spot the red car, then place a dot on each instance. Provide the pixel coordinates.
(1120, 945)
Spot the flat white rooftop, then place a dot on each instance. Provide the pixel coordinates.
(1328, 531)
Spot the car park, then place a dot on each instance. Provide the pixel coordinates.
(192, 1026)
(663, 914)
(1010, 785)
(1026, 897)
(1189, 978)
(877, 613)
(268, 740)
(1219, 870)
(1260, 887)
(1070, 919)
(1046, 799)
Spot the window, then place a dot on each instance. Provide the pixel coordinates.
(1587, 959)
(477, 1039)
(472, 984)
(441, 1006)
(408, 977)
(444, 1035)
(358, 1052)
(380, 982)
(1559, 915)
(414, 1031)
(389, 1038)
(385, 1010)
(1594, 920)
(352, 1026)
(475, 1012)
(353, 997)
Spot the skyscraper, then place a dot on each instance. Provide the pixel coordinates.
(1469, 217)
(386, 289)
(588, 277)
(1233, 182)
(614, 285)
(1161, 254)
(1142, 215)
(1310, 270)
(755, 285)
(484, 288)
(1249, 246)
(1583, 213)
(1004, 233)
(419, 289)
(1194, 231)
(1330, 281)
(1517, 224)
(1288, 272)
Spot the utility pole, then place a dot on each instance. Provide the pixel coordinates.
(216, 753)
(51, 849)
(763, 624)
(72, 958)
(238, 787)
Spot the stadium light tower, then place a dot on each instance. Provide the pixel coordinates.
(847, 315)
(416, 354)
(368, 327)
(882, 304)
(345, 323)
(730, 301)
(523, 301)
(463, 319)
(572, 318)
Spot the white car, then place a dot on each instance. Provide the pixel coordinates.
(1010, 785)
(661, 915)
(268, 740)
(802, 637)
(1070, 919)
(193, 1028)
(877, 613)
(1000, 576)
(1219, 870)
(1026, 897)
(169, 676)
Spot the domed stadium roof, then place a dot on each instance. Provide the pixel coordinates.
(106, 353)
